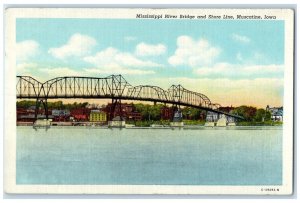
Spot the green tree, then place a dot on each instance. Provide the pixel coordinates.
(154, 111)
(142, 109)
(248, 112)
(192, 113)
(260, 115)
(25, 103)
(149, 112)
(268, 116)
(56, 105)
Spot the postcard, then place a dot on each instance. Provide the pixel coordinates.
(149, 101)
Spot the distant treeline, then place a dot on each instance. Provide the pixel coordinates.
(52, 105)
(153, 112)
(252, 114)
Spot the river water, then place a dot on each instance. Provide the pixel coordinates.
(205, 156)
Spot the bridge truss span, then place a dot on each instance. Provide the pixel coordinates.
(113, 87)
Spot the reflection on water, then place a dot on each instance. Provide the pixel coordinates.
(199, 156)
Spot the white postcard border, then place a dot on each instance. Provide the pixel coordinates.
(10, 185)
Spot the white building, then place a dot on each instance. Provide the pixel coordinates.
(276, 113)
(56, 112)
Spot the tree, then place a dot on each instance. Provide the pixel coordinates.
(268, 116)
(25, 104)
(191, 113)
(149, 112)
(260, 115)
(142, 109)
(56, 105)
(248, 112)
(154, 111)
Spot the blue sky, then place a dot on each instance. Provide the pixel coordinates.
(203, 55)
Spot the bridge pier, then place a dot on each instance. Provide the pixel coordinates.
(116, 104)
(211, 119)
(210, 124)
(117, 123)
(231, 121)
(115, 115)
(176, 124)
(177, 118)
(220, 120)
(37, 106)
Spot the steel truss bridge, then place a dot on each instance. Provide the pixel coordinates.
(113, 87)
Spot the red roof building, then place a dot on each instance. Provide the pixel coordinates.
(80, 114)
(127, 111)
(166, 113)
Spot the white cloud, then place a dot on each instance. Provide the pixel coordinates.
(26, 50)
(143, 49)
(77, 45)
(112, 61)
(26, 68)
(111, 57)
(240, 38)
(46, 73)
(119, 70)
(227, 70)
(43, 73)
(193, 52)
(60, 71)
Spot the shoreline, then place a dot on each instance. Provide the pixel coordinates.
(148, 124)
(92, 125)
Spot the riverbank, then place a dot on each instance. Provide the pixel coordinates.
(158, 123)
(164, 123)
(202, 123)
(265, 123)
